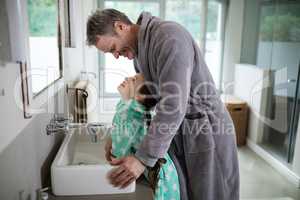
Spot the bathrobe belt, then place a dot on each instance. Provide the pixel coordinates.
(197, 115)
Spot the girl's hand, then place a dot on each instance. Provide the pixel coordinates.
(126, 89)
(108, 150)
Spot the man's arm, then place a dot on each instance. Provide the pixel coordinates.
(175, 65)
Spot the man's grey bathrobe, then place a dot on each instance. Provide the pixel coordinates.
(190, 122)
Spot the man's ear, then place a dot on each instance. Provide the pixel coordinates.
(98, 38)
(119, 26)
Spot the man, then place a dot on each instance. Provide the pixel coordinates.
(191, 123)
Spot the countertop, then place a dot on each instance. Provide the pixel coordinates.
(142, 191)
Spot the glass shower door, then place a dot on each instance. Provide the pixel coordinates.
(295, 119)
(279, 51)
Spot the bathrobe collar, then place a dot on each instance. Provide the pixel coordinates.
(143, 20)
(146, 21)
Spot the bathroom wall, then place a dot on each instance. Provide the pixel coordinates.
(4, 36)
(25, 162)
(26, 151)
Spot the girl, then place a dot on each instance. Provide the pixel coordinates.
(130, 126)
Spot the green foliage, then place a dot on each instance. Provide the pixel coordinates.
(279, 27)
(212, 16)
(133, 9)
(42, 17)
(186, 13)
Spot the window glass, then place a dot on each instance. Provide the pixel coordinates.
(186, 13)
(134, 9)
(213, 44)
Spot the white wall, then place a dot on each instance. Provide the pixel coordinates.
(4, 36)
(12, 121)
(233, 42)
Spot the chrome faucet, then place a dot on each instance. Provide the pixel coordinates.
(60, 124)
(93, 130)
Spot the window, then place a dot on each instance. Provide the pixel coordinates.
(133, 9)
(186, 13)
(195, 15)
(44, 56)
(214, 39)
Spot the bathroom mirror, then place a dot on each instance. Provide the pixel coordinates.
(44, 44)
(37, 34)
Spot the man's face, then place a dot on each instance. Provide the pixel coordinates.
(123, 43)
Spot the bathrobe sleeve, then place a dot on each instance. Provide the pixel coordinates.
(175, 56)
(129, 128)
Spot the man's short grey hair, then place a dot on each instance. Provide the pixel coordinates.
(101, 22)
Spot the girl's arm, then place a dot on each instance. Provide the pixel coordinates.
(129, 128)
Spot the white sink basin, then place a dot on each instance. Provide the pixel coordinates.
(80, 167)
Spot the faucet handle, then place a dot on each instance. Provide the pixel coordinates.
(93, 127)
(61, 119)
(50, 128)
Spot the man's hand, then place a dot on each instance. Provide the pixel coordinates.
(108, 150)
(129, 169)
